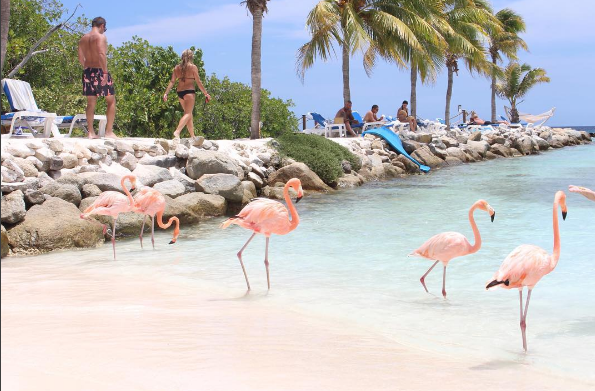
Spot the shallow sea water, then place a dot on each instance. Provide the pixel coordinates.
(346, 264)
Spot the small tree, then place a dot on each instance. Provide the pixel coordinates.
(516, 81)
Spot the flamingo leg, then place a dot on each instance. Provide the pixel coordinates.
(524, 318)
(240, 258)
(444, 283)
(153, 231)
(423, 278)
(266, 262)
(142, 228)
(114, 238)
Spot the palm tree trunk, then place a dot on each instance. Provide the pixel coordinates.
(494, 89)
(514, 113)
(256, 73)
(4, 20)
(413, 97)
(448, 97)
(346, 90)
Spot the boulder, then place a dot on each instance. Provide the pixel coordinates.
(163, 161)
(189, 183)
(81, 151)
(71, 179)
(456, 153)
(350, 181)
(10, 176)
(13, 207)
(480, 147)
(257, 170)
(501, 150)
(53, 225)
(44, 154)
(182, 151)
(19, 150)
(67, 192)
(453, 161)
(35, 161)
(225, 185)
(276, 192)
(449, 141)
(201, 162)
(28, 167)
(33, 197)
(425, 156)
(490, 155)
(475, 136)
(410, 146)
(191, 208)
(28, 183)
(104, 181)
(308, 178)
(5, 247)
(90, 190)
(410, 167)
(256, 179)
(249, 191)
(524, 144)
(97, 148)
(171, 188)
(129, 161)
(149, 175)
(542, 145)
(54, 144)
(122, 147)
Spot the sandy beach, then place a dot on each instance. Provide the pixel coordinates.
(74, 330)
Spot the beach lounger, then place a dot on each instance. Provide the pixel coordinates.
(325, 127)
(531, 120)
(26, 114)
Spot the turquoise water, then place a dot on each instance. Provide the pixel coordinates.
(347, 261)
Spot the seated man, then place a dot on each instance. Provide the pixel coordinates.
(403, 116)
(475, 120)
(371, 115)
(344, 116)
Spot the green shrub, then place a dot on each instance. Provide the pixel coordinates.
(323, 156)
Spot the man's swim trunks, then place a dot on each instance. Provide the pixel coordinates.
(92, 83)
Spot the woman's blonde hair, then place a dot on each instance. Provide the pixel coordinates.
(187, 57)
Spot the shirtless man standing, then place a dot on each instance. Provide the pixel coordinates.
(96, 79)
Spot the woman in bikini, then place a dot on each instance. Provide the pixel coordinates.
(187, 74)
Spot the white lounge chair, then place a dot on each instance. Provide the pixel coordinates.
(530, 120)
(325, 127)
(25, 113)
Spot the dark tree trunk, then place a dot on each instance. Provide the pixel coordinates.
(448, 96)
(413, 97)
(346, 89)
(494, 89)
(514, 114)
(256, 73)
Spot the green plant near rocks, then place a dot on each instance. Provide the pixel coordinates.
(321, 155)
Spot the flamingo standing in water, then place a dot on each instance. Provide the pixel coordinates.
(590, 194)
(526, 264)
(268, 217)
(112, 203)
(151, 202)
(448, 245)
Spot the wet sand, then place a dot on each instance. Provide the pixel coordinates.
(64, 328)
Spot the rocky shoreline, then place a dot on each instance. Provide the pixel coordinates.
(46, 183)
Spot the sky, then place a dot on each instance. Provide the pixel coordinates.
(560, 36)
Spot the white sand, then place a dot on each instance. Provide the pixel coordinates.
(63, 329)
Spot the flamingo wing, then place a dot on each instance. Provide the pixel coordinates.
(265, 216)
(109, 203)
(443, 247)
(524, 266)
(149, 201)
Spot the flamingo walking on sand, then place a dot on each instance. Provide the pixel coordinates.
(526, 264)
(267, 217)
(590, 194)
(112, 203)
(448, 245)
(150, 202)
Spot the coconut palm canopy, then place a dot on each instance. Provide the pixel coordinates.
(516, 81)
(387, 28)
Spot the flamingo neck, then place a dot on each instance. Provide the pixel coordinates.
(477, 245)
(295, 219)
(129, 177)
(163, 225)
(556, 253)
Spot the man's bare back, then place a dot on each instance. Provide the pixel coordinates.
(92, 51)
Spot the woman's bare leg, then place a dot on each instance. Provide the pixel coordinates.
(187, 104)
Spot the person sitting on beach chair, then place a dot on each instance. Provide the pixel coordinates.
(371, 115)
(403, 116)
(345, 116)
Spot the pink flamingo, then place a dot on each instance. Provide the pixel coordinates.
(151, 202)
(590, 194)
(267, 217)
(526, 264)
(448, 245)
(112, 203)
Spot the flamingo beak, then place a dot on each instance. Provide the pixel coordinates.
(172, 242)
(564, 215)
(492, 216)
(298, 199)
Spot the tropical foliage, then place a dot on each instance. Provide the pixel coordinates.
(140, 71)
(516, 81)
(507, 42)
(320, 154)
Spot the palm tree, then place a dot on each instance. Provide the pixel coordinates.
(468, 24)
(5, 19)
(375, 27)
(516, 81)
(507, 42)
(257, 8)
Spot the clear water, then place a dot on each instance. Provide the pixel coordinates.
(347, 262)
